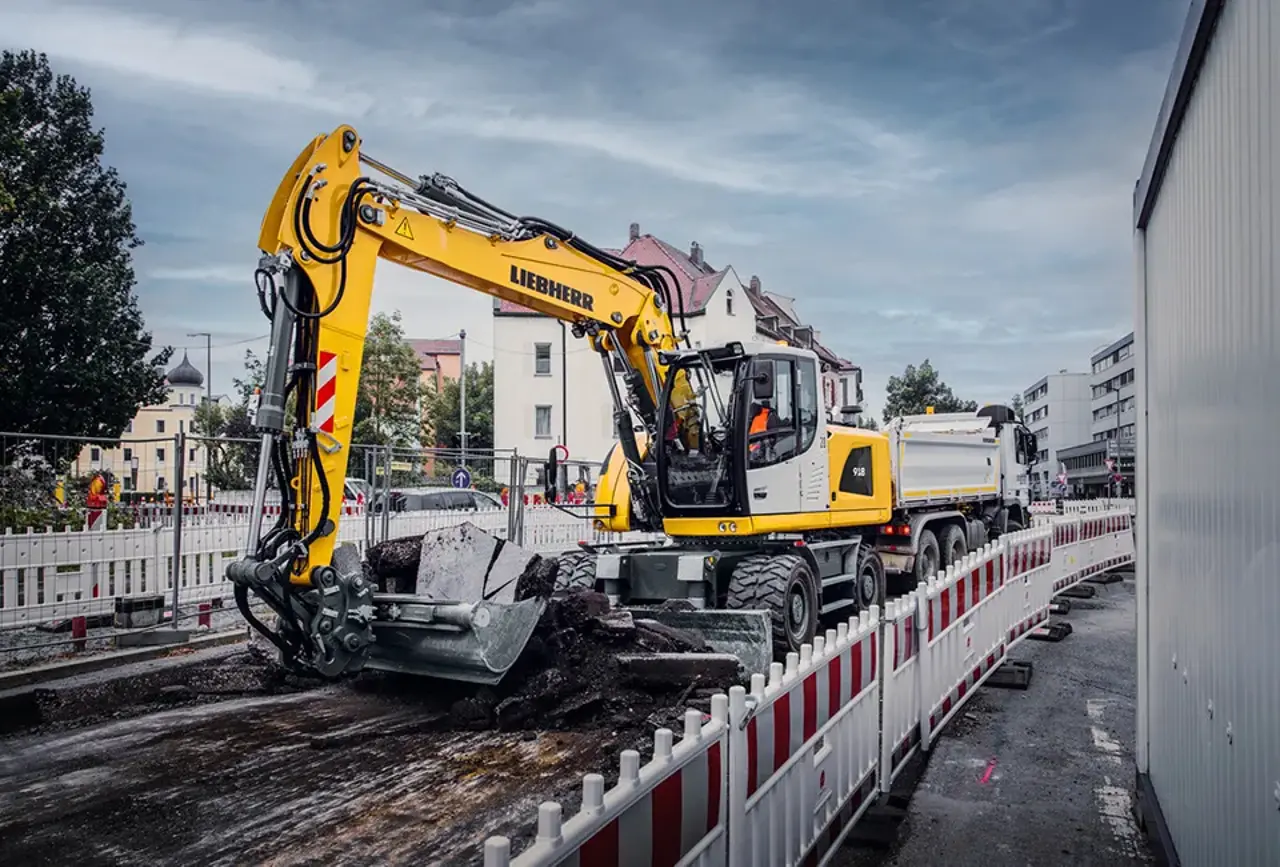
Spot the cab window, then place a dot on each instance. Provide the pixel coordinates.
(771, 428)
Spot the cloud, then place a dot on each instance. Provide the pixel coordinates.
(949, 179)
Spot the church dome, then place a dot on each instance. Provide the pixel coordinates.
(185, 374)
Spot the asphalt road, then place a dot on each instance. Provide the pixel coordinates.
(1042, 777)
(319, 777)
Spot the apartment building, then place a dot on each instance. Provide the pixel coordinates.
(550, 388)
(1093, 464)
(1058, 410)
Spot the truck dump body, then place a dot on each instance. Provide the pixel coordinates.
(941, 459)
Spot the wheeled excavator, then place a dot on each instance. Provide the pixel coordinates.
(773, 517)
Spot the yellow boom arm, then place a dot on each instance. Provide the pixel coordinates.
(326, 228)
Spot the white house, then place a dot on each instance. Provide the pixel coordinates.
(550, 387)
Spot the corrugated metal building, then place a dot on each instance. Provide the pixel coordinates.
(1207, 215)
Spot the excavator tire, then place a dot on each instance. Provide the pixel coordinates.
(953, 544)
(577, 572)
(783, 585)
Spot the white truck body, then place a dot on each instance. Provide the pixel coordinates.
(952, 458)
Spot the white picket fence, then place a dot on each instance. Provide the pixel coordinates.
(779, 773)
(53, 575)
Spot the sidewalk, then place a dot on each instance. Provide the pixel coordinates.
(1039, 777)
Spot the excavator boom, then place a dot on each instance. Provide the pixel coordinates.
(335, 214)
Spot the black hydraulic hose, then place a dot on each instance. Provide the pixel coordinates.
(241, 593)
(318, 529)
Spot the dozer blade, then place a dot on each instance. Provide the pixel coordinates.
(456, 641)
(463, 621)
(747, 635)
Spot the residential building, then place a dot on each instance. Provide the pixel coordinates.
(1092, 464)
(1057, 409)
(145, 461)
(440, 361)
(549, 387)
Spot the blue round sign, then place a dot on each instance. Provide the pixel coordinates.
(461, 478)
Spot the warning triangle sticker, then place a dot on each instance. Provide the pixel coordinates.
(403, 230)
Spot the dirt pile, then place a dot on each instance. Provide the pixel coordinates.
(586, 666)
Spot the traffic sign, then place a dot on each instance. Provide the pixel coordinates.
(461, 478)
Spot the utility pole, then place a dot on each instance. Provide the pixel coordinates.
(208, 363)
(462, 395)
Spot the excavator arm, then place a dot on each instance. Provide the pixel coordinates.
(335, 214)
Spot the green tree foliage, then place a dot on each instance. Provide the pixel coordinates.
(868, 422)
(1015, 404)
(919, 388)
(443, 410)
(388, 409)
(77, 359)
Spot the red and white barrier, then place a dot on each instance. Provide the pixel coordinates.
(670, 811)
(804, 749)
(810, 746)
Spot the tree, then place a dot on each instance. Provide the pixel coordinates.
(919, 388)
(77, 359)
(388, 411)
(867, 422)
(444, 411)
(1015, 404)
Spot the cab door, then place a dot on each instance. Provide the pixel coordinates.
(785, 456)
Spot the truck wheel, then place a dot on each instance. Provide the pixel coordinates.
(577, 572)
(784, 586)
(954, 546)
(869, 583)
(928, 558)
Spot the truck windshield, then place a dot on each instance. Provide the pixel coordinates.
(697, 443)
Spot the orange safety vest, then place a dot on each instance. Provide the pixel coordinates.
(758, 425)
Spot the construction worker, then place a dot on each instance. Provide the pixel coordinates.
(760, 422)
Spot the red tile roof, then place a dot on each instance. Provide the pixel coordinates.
(436, 347)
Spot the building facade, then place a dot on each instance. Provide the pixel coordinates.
(1114, 408)
(1207, 750)
(1057, 409)
(145, 462)
(550, 388)
(1102, 463)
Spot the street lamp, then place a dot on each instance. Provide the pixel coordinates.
(208, 362)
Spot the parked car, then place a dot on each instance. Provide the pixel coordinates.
(439, 499)
(357, 491)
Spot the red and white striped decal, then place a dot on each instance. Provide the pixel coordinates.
(667, 822)
(326, 391)
(904, 641)
(778, 730)
(863, 794)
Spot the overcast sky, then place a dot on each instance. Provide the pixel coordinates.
(940, 178)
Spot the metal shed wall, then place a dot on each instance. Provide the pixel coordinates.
(1208, 257)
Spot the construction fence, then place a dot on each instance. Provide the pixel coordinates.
(779, 772)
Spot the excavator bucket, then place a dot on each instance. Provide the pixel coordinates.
(463, 620)
(747, 635)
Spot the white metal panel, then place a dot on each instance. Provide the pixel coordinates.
(933, 467)
(1209, 317)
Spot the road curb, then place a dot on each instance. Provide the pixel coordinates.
(52, 671)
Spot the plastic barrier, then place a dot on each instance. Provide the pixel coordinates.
(671, 811)
(808, 748)
(804, 749)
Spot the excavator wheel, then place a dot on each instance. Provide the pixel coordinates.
(783, 585)
(577, 572)
(954, 545)
(869, 585)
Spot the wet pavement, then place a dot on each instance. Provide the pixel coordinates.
(324, 776)
(1041, 777)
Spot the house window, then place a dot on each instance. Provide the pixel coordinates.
(542, 359)
(160, 456)
(160, 483)
(542, 422)
(95, 454)
(191, 454)
(128, 455)
(159, 425)
(191, 483)
(126, 483)
(728, 301)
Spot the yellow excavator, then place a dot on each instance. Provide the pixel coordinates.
(773, 516)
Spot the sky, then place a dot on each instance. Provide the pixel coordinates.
(942, 179)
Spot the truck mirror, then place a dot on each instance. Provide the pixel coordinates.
(762, 383)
